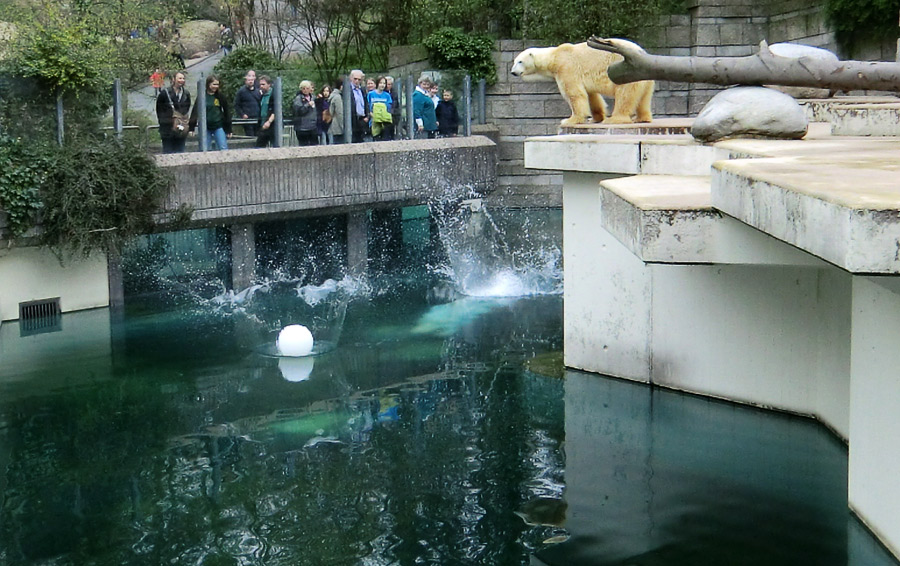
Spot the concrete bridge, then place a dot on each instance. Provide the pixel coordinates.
(239, 188)
(760, 271)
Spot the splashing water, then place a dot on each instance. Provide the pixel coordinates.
(489, 257)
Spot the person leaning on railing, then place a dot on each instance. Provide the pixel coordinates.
(218, 115)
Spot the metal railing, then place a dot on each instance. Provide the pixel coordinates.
(405, 128)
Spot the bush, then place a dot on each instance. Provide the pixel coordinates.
(22, 172)
(97, 197)
(855, 21)
(451, 48)
(231, 69)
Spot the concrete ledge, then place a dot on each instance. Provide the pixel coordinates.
(838, 201)
(624, 155)
(244, 184)
(670, 219)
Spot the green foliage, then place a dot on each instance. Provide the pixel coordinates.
(137, 58)
(854, 21)
(63, 55)
(576, 20)
(97, 197)
(231, 69)
(451, 48)
(22, 172)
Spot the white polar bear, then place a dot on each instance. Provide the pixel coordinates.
(580, 73)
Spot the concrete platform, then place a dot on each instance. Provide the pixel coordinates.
(777, 285)
(670, 219)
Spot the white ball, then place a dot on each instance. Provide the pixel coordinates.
(295, 340)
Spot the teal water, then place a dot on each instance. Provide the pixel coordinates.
(423, 435)
(422, 439)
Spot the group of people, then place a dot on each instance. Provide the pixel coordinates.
(318, 118)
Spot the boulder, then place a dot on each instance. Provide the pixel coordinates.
(750, 112)
(199, 36)
(796, 50)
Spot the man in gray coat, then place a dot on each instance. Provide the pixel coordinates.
(336, 107)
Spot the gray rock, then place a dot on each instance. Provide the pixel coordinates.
(796, 50)
(750, 112)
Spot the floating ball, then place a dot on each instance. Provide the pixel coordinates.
(294, 340)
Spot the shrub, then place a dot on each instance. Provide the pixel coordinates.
(854, 21)
(451, 48)
(231, 69)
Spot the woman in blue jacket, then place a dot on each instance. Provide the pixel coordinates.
(423, 110)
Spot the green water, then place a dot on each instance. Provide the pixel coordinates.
(422, 439)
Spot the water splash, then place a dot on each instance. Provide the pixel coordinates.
(490, 256)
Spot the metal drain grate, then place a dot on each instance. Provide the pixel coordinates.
(36, 317)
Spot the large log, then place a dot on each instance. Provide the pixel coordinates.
(764, 68)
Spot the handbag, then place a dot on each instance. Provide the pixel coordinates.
(180, 122)
(326, 116)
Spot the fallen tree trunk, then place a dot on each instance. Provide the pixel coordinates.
(764, 68)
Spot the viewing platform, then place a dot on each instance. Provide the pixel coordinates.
(766, 272)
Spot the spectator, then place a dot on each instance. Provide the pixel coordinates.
(423, 110)
(246, 102)
(360, 119)
(266, 134)
(447, 116)
(218, 116)
(176, 98)
(226, 39)
(304, 107)
(433, 93)
(323, 116)
(380, 104)
(157, 79)
(396, 109)
(336, 107)
(176, 49)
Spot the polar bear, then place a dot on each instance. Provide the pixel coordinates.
(580, 72)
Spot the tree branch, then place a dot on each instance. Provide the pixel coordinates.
(764, 68)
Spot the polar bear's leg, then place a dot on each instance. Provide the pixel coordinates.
(627, 97)
(598, 107)
(577, 97)
(644, 113)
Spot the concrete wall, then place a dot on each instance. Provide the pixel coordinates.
(245, 184)
(32, 273)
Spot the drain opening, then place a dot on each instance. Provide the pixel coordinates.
(36, 317)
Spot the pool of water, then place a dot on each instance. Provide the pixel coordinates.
(436, 426)
(423, 438)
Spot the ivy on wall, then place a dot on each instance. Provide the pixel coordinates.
(23, 170)
(856, 21)
(451, 48)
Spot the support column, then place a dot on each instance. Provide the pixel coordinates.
(243, 255)
(116, 284)
(874, 466)
(357, 242)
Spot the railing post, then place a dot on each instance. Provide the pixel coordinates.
(201, 113)
(410, 115)
(59, 117)
(118, 119)
(279, 113)
(467, 99)
(482, 103)
(349, 109)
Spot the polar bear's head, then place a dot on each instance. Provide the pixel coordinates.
(523, 64)
(530, 65)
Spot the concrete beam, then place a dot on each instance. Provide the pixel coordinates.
(251, 183)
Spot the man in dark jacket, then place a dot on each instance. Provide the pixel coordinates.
(266, 135)
(175, 98)
(246, 102)
(447, 116)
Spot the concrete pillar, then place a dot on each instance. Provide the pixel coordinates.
(116, 284)
(243, 255)
(357, 242)
(874, 466)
